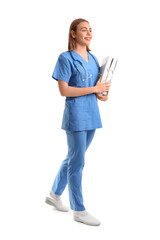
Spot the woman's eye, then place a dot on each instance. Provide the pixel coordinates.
(84, 30)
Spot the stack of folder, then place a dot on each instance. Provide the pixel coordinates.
(107, 69)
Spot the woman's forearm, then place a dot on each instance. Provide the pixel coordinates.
(69, 91)
(76, 91)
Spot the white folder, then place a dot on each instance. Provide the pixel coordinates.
(107, 69)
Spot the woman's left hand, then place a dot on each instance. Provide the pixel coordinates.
(102, 97)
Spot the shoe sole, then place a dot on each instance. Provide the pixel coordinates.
(77, 219)
(50, 201)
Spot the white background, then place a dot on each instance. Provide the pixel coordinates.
(121, 176)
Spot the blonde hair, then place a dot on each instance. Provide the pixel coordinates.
(73, 27)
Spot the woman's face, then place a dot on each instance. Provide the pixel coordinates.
(83, 34)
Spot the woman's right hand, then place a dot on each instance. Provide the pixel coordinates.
(102, 87)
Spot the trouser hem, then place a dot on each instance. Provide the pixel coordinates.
(78, 209)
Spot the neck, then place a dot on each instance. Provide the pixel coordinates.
(82, 50)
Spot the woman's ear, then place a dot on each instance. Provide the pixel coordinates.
(73, 34)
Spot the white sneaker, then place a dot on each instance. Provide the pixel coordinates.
(56, 202)
(86, 218)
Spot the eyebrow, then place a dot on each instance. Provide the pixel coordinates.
(85, 28)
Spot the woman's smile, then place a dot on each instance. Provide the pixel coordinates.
(87, 38)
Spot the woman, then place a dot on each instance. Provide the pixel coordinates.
(77, 74)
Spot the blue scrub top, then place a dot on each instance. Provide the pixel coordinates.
(80, 113)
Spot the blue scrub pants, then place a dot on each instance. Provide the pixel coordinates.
(71, 169)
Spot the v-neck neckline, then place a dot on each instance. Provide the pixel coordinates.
(82, 57)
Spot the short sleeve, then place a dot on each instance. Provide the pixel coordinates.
(62, 70)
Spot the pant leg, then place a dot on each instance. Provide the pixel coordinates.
(76, 153)
(60, 181)
(90, 135)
